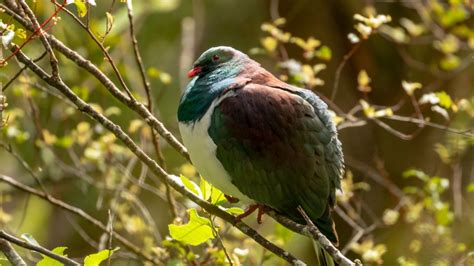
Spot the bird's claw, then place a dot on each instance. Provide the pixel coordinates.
(231, 199)
(250, 210)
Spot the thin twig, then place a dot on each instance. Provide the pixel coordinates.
(38, 28)
(218, 236)
(147, 88)
(313, 233)
(25, 165)
(337, 76)
(10, 253)
(19, 242)
(104, 51)
(77, 211)
(17, 74)
(138, 107)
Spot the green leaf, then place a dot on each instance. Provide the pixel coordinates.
(415, 173)
(190, 185)
(470, 187)
(113, 110)
(235, 210)
(217, 197)
(197, 231)
(444, 99)
(47, 261)
(97, 258)
(450, 62)
(206, 189)
(81, 7)
(65, 142)
(323, 53)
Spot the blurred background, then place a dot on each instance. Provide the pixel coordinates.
(384, 67)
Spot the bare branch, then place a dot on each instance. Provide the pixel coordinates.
(340, 67)
(147, 88)
(138, 107)
(40, 249)
(38, 28)
(12, 256)
(76, 211)
(312, 232)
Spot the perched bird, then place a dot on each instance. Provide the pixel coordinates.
(261, 140)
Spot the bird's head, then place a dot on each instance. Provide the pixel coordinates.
(215, 58)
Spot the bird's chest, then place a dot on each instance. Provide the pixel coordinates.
(202, 151)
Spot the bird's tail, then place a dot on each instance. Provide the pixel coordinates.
(323, 257)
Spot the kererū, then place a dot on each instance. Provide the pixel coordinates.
(261, 140)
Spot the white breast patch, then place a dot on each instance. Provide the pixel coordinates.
(202, 151)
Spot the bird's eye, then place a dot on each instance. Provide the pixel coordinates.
(215, 58)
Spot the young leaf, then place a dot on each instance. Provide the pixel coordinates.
(470, 187)
(47, 261)
(97, 258)
(363, 80)
(206, 189)
(190, 185)
(217, 197)
(235, 210)
(197, 231)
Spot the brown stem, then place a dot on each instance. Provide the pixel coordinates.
(11, 254)
(40, 249)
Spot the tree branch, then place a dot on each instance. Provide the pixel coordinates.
(17, 241)
(77, 211)
(312, 232)
(12, 256)
(134, 105)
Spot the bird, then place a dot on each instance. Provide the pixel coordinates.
(260, 140)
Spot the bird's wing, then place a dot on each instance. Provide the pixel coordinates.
(278, 150)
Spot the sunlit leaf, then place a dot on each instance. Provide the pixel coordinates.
(449, 45)
(412, 28)
(110, 21)
(363, 80)
(410, 87)
(390, 216)
(470, 187)
(444, 99)
(269, 43)
(135, 125)
(217, 196)
(197, 231)
(450, 62)
(47, 261)
(190, 185)
(235, 210)
(397, 34)
(443, 153)
(20, 33)
(113, 110)
(206, 189)
(323, 53)
(96, 258)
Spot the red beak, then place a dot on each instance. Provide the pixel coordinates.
(193, 72)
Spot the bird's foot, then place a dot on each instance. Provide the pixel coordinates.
(251, 209)
(231, 199)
